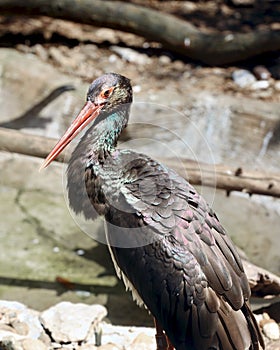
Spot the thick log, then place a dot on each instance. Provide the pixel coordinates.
(175, 34)
(226, 178)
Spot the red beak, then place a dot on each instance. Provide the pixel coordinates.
(88, 113)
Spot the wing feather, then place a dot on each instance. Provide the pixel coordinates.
(196, 274)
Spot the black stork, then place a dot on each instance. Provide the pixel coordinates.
(166, 243)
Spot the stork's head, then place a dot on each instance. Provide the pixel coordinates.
(104, 94)
(110, 90)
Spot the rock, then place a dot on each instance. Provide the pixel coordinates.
(40, 51)
(128, 336)
(33, 344)
(259, 85)
(261, 73)
(110, 346)
(6, 334)
(106, 34)
(142, 341)
(58, 57)
(137, 88)
(83, 294)
(271, 329)
(277, 85)
(88, 347)
(25, 322)
(20, 327)
(258, 317)
(112, 58)
(89, 50)
(164, 59)
(68, 322)
(12, 305)
(7, 345)
(7, 328)
(262, 94)
(189, 6)
(179, 65)
(10, 341)
(130, 55)
(243, 78)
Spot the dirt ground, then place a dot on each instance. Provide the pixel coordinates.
(86, 51)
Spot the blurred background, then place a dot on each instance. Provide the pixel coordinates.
(206, 87)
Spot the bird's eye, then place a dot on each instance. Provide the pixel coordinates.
(106, 93)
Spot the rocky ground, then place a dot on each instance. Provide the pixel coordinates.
(67, 326)
(82, 327)
(44, 251)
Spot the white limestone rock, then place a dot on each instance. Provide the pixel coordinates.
(68, 322)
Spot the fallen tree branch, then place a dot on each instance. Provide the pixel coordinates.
(175, 34)
(219, 176)
(227, 178)
(262, 282)
(30, 145)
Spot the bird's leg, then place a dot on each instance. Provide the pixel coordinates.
(170, 346)
(160, 337)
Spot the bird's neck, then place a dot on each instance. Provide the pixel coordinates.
(107, 132)
(101, 138)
